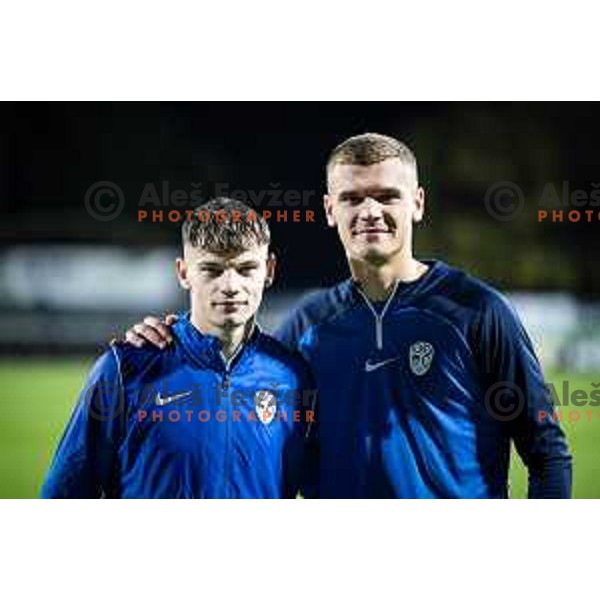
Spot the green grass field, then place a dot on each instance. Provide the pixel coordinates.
(37, 398)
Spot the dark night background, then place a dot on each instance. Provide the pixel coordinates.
(52, 152)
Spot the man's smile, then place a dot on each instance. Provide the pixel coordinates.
(230, 305)
(371, 231)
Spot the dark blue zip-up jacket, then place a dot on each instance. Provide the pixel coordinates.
(420, 397)
(182, 423)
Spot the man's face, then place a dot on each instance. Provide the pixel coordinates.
(373, 208)
(226, 289)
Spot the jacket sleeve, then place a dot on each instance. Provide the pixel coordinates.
(84, 464)
(516, 393)
(290, 333)
(311, 464)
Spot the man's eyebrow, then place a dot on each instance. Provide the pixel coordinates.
(386, 190)
(235, 264)
(209, 263)
(372, 191)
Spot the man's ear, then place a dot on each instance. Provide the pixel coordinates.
(328, 205)
(182, 273)
(419, 205)
(271, 266)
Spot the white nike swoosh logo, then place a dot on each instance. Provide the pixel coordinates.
(162, 401)
(373, 366)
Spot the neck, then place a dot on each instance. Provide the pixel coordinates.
(231, 338)
(377, 280)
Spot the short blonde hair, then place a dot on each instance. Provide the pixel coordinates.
(368, 149)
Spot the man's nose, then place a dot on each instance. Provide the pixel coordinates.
(230, 283)
(370, 209)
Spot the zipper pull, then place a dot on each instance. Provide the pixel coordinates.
(225, 383)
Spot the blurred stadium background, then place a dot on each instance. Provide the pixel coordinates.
(70, 281)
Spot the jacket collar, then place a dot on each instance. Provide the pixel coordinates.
(203, 350)
(402, 290)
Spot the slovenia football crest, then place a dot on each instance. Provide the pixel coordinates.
(265, 405)
(420, 356)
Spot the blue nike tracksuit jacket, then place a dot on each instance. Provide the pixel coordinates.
(420, 396)
(182, 423)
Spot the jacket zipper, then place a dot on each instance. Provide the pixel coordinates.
(225, 382)
(379, 316)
